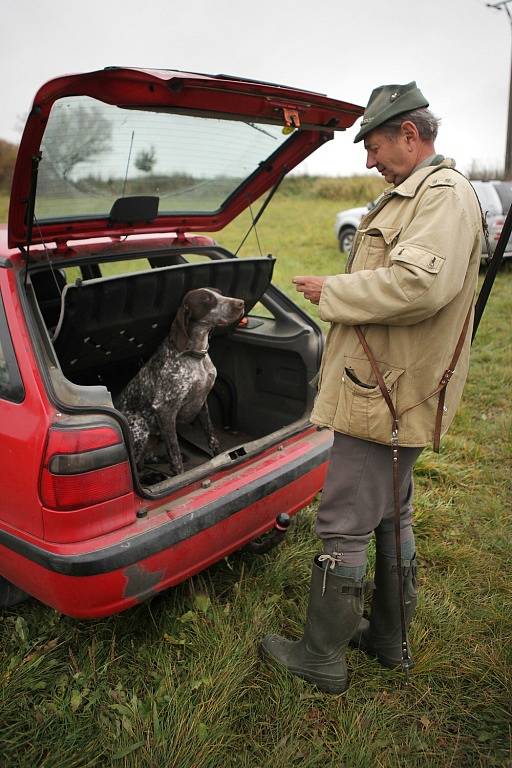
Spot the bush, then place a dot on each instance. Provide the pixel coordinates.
(487, 173)
(8, 154)
(355, 189)
(360, 188)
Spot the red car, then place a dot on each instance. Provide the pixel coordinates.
(117, 173)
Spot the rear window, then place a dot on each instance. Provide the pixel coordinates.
(94, 153)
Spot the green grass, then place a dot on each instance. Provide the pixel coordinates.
(177, 681)
(4, 206)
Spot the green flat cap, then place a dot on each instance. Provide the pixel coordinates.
(388, 101)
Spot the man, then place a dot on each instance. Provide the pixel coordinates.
(399, 325)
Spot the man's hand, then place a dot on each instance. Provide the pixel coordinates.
(310, 286)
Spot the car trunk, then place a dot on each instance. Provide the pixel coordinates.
(98, 329)
(124, 165)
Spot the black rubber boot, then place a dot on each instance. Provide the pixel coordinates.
(381, 637)
(334, 611)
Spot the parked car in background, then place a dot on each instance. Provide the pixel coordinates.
(495, 199)
(346, 224)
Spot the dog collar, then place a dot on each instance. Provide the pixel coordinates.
(197, 353)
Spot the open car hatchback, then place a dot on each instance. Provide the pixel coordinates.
(119, 174)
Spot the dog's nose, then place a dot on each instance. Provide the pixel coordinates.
(239, 303)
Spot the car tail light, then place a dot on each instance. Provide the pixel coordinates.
(498, 225)
(84, 466)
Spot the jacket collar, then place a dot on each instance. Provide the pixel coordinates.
(408, 188)
(411, 184)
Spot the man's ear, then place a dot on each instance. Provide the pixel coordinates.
(180, 328)
(409, 132)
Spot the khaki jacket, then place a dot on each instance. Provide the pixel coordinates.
(409, 283)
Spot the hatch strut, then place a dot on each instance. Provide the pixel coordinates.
(31, 201)
(29, 216)
(492, 270)
(262, 209)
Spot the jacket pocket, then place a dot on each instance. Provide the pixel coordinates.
(419, 257)
(376, 244)
(418, 269)
(361, 410)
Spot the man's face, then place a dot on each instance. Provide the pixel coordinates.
(391, 155)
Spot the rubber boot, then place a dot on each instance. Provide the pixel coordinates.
(334, 611)
(381, 637)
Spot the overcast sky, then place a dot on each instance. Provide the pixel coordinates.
(458, 51)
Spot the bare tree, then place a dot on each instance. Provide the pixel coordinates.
(75, 138)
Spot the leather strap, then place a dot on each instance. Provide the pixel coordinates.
(445, 378)
(377, 373)
(406, 659)
(441, 390)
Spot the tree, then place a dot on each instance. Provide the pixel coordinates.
(75, 136)
(146, 159)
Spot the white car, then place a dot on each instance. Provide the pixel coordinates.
(495, 198)
(346, 224)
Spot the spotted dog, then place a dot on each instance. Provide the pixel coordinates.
(173, 385)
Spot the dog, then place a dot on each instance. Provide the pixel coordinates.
(173, 385)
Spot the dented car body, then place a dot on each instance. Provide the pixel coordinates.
(119, 175)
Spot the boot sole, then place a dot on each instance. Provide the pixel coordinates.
(329, 685)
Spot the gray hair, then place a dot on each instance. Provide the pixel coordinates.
(426, 123)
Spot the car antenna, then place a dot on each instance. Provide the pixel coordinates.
(128, 163)
(262, 209)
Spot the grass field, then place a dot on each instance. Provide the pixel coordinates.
(177, 682)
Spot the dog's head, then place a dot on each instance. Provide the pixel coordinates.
(207, 307)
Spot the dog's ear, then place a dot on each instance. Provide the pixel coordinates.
(180, 328)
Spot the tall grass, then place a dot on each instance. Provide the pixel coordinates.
(177, 682)
(360, 189)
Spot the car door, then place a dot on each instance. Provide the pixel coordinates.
(20, 444)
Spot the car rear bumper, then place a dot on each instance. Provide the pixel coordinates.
(177, 540)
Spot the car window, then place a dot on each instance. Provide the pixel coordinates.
(11, 386)
(504, 190)
(94, 153)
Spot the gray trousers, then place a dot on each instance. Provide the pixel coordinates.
(357, 498)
